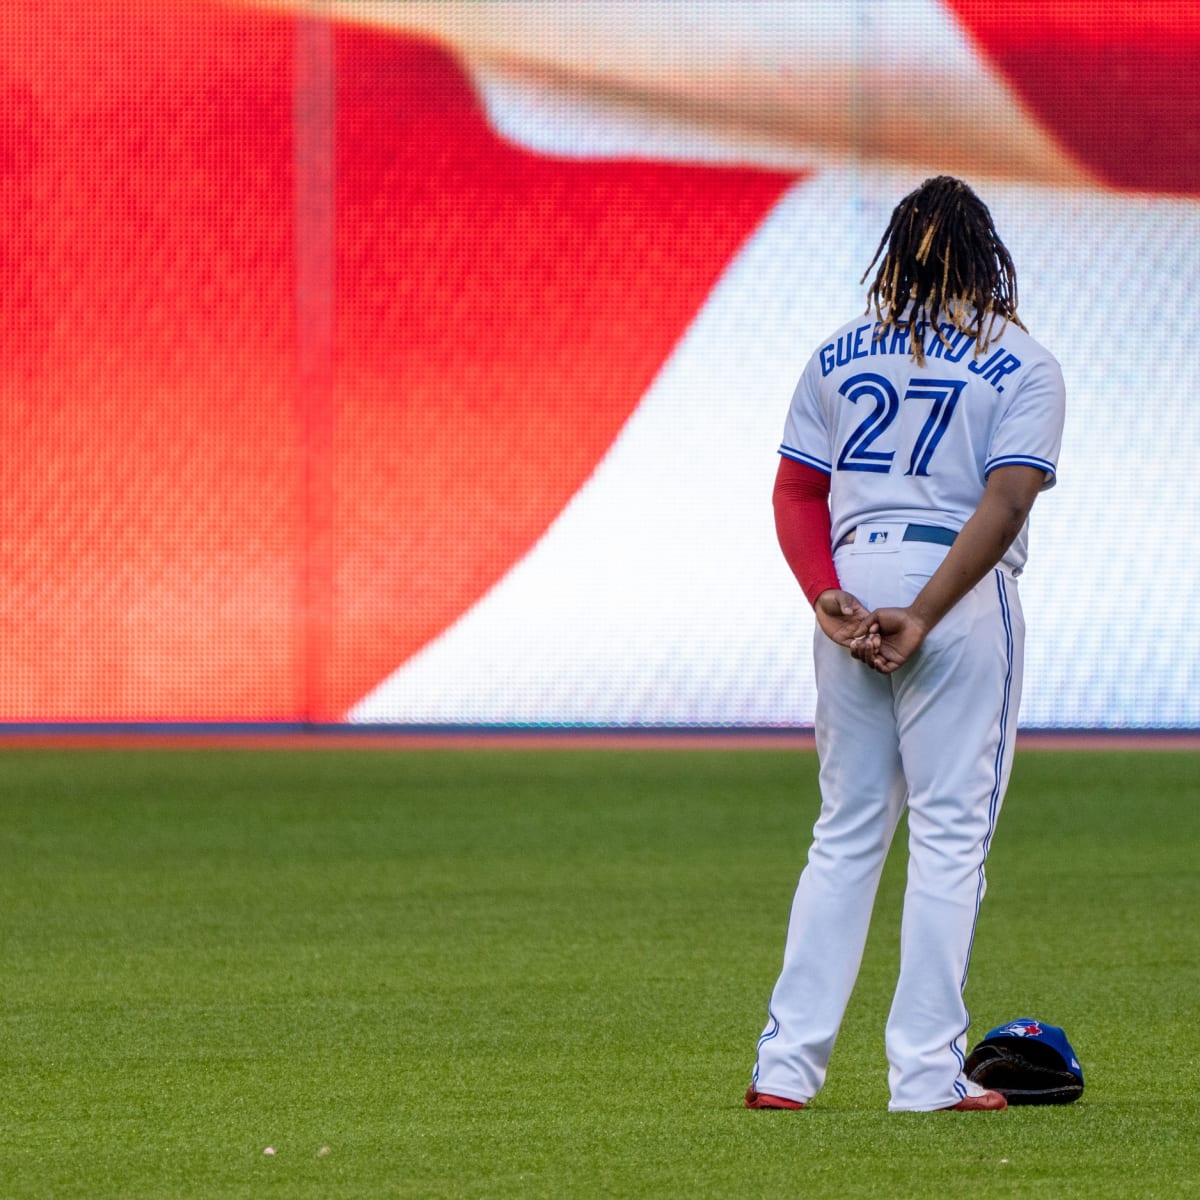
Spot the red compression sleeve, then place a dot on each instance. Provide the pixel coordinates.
(802, 524)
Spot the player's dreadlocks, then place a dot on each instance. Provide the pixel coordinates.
(944, 261)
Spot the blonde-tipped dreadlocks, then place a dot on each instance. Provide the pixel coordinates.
(944, 262)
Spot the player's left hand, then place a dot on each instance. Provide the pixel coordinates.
(898, 634)
(843, 619)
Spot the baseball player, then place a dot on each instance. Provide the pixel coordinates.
(917, 440)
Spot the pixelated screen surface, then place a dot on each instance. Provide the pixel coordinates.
(426, 362)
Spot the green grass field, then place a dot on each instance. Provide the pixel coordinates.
(523, 974)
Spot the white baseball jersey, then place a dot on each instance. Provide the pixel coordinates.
(904, 442)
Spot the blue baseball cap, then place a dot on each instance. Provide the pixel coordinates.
(1028, 1032)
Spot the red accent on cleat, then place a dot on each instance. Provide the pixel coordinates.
(988, 1102)
(762, 1100)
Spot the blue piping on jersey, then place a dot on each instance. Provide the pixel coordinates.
(1019, 460)
(808, 460)
(771, 1031)
(1006, 615)
(998, 763)
(994, 799)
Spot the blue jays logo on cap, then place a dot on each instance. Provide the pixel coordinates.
(1020, 1029)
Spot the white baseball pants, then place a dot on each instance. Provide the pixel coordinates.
(938, 735)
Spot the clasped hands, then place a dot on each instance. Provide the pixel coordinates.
(884, 639)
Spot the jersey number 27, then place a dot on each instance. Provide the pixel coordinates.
(940, 394)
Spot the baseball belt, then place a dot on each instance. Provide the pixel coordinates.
(913, 533)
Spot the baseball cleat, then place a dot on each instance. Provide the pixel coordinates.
(988, 1102)
(762, 1100)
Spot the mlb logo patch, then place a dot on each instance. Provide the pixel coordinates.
(876, 536)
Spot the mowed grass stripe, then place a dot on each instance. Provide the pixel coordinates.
(514, 973)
